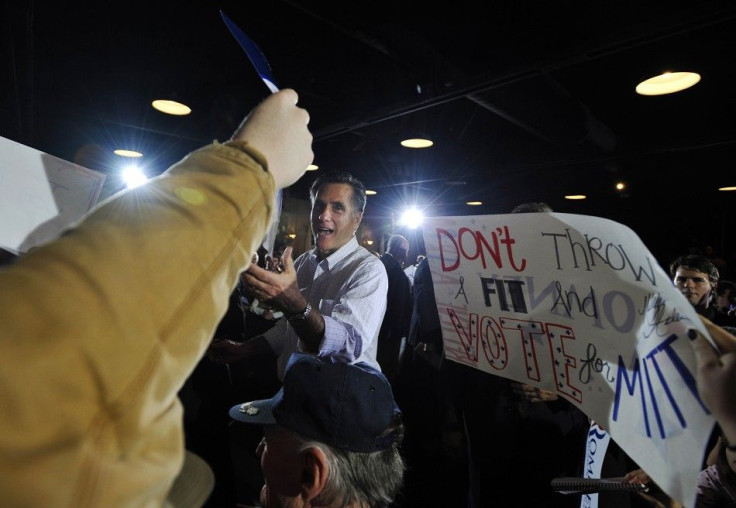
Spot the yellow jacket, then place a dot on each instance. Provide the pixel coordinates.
(100, 329)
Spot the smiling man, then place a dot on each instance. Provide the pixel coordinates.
(333, 297)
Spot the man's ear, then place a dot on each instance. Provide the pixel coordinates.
(314, 472)
(713, 293)
(357, 218)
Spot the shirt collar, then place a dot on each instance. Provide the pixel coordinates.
(340, 253)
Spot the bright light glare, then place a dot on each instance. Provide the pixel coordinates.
(412, 218)
(668, 82)
(171, 107)
(133, 176)
(127, 153)
(417, 143)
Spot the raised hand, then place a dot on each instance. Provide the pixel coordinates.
(277, 128)
(717, 374)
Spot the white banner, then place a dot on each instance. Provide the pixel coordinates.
(577, 305)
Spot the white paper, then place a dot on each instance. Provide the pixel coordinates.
(41, 195)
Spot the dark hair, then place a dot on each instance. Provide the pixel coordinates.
(359, 197)
(696, 263)
(532, 207)
(725, 285)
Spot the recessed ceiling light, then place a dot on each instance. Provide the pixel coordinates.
(370, 192)
(668, 82)
(417, 143)
(312, 167)
(620, 186)
(474, 203)
(171, 107)
(733, 188)
(576, 196)
(127, 153)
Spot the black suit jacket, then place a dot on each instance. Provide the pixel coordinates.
(425, 320)
(399, 301)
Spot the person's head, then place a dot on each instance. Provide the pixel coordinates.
(338, 202)
(725, 295)
(696, 278)
(398, 247)
(532, 207)
(331, 436)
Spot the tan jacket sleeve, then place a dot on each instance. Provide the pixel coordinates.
(100, 329)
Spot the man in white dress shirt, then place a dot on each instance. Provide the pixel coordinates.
(333, 297)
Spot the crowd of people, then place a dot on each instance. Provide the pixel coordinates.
(314, 381)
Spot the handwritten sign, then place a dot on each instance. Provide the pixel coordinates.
(577, 305)
(40, 195)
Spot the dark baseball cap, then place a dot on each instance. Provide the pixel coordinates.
(348, 406)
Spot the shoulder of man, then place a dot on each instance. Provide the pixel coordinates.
(422, 268)
(373, 262)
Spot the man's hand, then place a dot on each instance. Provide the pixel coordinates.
(228, 351)
(724, 340)
(225, 351)
(717, 373)
(278, 290)
(531, 393)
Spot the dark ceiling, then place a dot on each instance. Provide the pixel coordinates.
(525, 99)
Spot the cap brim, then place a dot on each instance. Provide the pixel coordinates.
(193, 485)
(257, 412)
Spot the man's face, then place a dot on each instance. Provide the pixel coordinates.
(695, 285)
(334, 220)
(281, 466)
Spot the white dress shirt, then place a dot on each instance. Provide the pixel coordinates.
(409, 271)
(349, 289)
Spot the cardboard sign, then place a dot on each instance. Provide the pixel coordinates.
(577, 305)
